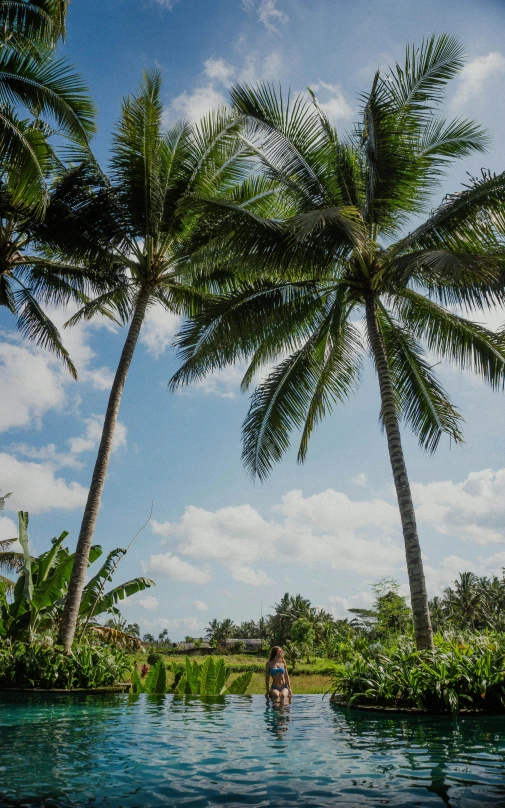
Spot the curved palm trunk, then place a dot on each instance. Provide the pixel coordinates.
(418, 596)
(77, 579)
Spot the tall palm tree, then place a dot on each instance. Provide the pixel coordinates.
(324, 243)
(133, 222)
(40, 96)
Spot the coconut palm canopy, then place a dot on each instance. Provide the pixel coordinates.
(317, 240)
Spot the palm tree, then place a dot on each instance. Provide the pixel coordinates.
(31, 276)
(47, 89)
(325, 243)
(132, 222)
(463, 603)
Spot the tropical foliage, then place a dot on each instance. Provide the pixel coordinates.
(317, 240)
(471, 603)
(39, 665)
(135, 222)
(40, 96)
(447, 679)
(32, 606)
(155, 681)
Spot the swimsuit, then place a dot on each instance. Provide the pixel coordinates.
(274, 672)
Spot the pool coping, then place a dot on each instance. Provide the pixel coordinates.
(124, 688)
(373, 708)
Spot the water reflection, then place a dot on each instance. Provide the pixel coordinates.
(437, 754)
(277, 718)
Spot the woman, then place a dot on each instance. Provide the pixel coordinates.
(277, 669)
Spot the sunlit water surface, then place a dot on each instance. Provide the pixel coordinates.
(142, 751)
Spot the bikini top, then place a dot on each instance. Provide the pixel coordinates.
(275, 671)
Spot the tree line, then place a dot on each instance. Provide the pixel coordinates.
(270, 232)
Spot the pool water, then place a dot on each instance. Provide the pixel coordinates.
(143, 750)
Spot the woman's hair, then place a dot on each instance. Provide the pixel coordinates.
(274, 651)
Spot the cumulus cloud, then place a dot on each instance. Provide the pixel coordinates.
(217, 76)
(175, 569)
(93, 433)
(360, 479)
(328, 528)
(8, 529)
(473, 510)
(159, 330)
(188, 624)
(332, 102)
(475, 75)
(200, 606)
(37, 488)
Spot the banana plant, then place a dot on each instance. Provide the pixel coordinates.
(39, 594)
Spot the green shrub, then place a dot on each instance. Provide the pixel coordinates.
(153, 658)
(447, 679)
(207, 679)
(42, 666)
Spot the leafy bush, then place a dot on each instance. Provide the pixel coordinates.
(445, 679)
(207, 679)
(42, 666)
(153, 658)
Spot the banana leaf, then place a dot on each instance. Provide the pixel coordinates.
(222, 674)
(47, 561)
(92, 590)
(120, 593)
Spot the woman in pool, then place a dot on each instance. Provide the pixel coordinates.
(277, 669)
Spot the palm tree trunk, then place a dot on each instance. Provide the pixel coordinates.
(418, 596)
(80, 566)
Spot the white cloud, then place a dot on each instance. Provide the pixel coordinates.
(475, 75)
(196, 104)
(159, 330)
(268, 13)
(327, 528)
(149, 603)
(360, 479)
(93, 434)
(175, 569)
(200, 606)
(473, 510)
(31, 384)
(36, 488)
(48, 453)
(219, 70)
(8, 529)
(33, 381)
(188, 624)
(211, 91)
(333, 102)
(168, 4)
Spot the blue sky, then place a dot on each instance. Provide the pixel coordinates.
(219, 546)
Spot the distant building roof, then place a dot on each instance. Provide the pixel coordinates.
(253, 642)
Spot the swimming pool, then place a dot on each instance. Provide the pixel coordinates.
(130, 751)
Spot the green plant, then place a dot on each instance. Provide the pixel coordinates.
(39, 593)
(447, 679)
(208, 679)
(293, 653)
(153, 657)
(155, 681)
(135, 221)
(42, 666)
(320, 239)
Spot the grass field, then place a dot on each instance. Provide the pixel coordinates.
(308, 677)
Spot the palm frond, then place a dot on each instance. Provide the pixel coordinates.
(468, 345)
(323, 371)
(35, 325)
(422, 401)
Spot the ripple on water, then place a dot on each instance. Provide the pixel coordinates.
(137, 751)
